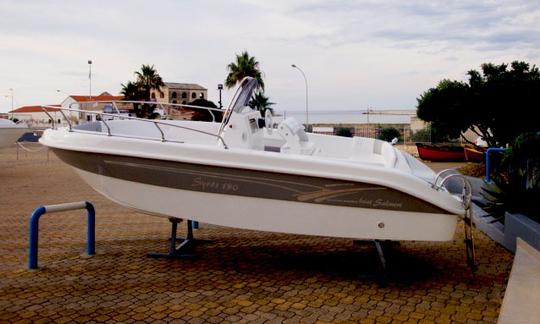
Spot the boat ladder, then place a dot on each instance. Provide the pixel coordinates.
(466, 199)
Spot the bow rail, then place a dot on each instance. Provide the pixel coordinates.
(157, 123)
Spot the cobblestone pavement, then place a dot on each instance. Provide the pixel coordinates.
(242, 276)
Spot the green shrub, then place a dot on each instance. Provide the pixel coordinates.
(344, 131)
(516, 182)
(388, 134)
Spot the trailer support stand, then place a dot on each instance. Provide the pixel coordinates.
(184, 250)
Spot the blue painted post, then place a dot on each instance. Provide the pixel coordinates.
(488, 161)
(34, 231)
(91, 230)
(34, 228)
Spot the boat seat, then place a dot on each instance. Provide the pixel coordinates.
(296, 139)
(372, 150)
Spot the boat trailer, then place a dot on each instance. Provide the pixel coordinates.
(185, 248)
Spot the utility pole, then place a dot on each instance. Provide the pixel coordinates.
(90, 78)
(220, 87)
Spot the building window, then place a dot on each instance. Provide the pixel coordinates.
(174, 101)
(173, 95)
(184, 95)
(193, 95)
(184, 102)
(162, 95)
(153, 95)
(202, 95)
(59, 120)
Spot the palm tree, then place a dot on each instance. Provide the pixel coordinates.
(131, 91)
(244, 66)
(148, 79)
(260, 102)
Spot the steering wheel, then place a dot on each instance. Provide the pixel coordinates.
(268, 121)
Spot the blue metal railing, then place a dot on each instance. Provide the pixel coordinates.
(488, 160)
(34, 228)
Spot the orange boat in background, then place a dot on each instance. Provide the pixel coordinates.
(473, 155)
(440, 152)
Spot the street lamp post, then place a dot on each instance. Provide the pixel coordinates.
(220, 88)
(90, 78)
(305, 80)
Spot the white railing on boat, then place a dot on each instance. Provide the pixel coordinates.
(157, 123)
(162, 105)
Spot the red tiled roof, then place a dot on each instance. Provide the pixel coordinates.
(29, 109)
(96, 98)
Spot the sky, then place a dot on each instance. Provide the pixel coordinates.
(355, 54)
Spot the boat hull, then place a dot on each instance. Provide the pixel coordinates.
(263, 201)
(473, 155)
(274, 215)
(440, 153)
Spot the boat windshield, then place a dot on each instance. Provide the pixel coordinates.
(241, 99)
(244, 93)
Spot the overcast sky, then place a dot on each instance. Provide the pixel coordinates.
(356, 54)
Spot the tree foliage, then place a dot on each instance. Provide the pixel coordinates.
(388, 134)
(203, 114)
(132, 91)
(244, 65)
(498, 103)
(422, 136)
(516, 184)
(445, 106)
(146, 80)
(344, 131)
(261, 102)
(430, 134)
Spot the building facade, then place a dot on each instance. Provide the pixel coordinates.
(35, 116)
(93, 103)
(179, 93)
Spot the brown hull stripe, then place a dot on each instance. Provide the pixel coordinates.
(244, 182)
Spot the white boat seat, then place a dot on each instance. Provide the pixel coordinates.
(372, 150)
(296, 139)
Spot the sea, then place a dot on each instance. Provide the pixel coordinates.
(349, 116)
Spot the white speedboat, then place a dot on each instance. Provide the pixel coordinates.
(239, 173)
(10, 132)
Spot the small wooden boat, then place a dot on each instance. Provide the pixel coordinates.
(440, 153)
(473, 155)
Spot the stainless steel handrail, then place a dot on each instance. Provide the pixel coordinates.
(161, 131)
(50, 117)
(161, 104)
(467, 217)
(467, 188)
(106, 125)
(109, 133)
(437, 176)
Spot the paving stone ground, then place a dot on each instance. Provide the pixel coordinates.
(242, 276)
